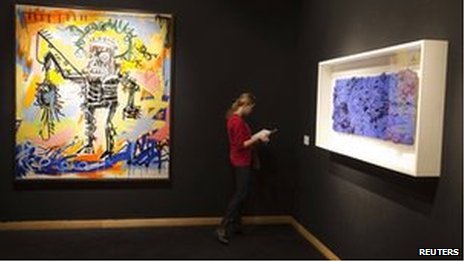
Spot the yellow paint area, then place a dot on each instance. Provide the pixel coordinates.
(145, 62)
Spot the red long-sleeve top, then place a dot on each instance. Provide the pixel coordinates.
(239, 131)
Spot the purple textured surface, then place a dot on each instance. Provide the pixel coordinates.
(382, 106)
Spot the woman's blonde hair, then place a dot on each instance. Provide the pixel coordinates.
(244, 99)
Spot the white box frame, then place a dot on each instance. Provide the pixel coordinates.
(428, 58)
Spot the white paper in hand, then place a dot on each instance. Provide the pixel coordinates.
(262, 135)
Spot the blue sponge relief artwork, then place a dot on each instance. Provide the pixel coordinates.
(382, 106)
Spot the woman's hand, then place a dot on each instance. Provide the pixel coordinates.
(262, 135)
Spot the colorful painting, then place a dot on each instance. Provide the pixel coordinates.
(93, 93)
(381, 106)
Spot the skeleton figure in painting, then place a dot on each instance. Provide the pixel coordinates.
(99, 83)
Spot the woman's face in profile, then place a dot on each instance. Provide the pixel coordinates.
(248, 109)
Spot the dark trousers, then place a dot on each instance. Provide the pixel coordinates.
(234, 209)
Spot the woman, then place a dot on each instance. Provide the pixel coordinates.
(241, 144)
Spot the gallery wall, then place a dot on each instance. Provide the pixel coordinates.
(271, 48)
(357, 209)
(222, 48)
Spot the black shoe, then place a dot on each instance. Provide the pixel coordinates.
(238, 229)
(222, 236)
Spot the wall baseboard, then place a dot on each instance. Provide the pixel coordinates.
(323, 249)
(132, 223)
(165, 222)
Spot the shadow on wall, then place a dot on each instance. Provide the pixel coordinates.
(417, 194)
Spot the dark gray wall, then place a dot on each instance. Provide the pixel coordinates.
(221, 49)
(271, 48)
(359, 210)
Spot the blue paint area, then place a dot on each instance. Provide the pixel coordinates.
(382, 107)
(20, 61)
(20, 15)
(167, 75)
(31, 159)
